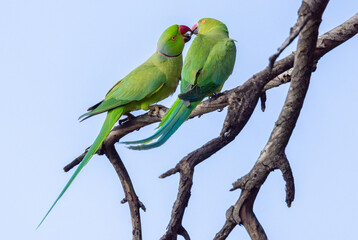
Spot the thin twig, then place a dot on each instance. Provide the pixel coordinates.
(130, 196)
(294, 31)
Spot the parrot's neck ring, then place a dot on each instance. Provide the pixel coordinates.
(167, 56)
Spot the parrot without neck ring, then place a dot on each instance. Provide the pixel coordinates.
(209, 62)
(153, 81)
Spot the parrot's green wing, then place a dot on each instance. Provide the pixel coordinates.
(142, 82)
(195, 61)
(215, 69)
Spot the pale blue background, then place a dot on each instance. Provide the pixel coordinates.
(57, 58)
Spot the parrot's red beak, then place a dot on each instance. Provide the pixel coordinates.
(195, 29)
(183, 31)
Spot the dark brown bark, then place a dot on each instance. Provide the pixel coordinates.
(130, 196)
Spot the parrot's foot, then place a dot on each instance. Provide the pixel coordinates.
(128, 118)
(154, 110)
(215, 95)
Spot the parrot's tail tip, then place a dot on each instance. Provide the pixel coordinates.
(128, 143)
(142, 142)
(143, 146)
(38, 226)
(138, 147)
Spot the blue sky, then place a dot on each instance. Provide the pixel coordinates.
(57, 58)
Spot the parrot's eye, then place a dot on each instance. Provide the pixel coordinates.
(203, 21)
(173, 38)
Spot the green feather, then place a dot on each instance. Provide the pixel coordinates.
(111, 119)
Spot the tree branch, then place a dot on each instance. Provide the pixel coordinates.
(186, 182)
(294, 31)
(252, 86)
(325, 43)
(228, 226)
(242, 101)
(130, 195)
(273, 156)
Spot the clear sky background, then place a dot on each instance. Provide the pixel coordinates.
(57, 58)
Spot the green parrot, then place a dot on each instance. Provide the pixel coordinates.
(153, 81)
(209, 62)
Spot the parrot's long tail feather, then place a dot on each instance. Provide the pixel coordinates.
(171, 121)
(87, 115)
(111, 119)
(172, 111)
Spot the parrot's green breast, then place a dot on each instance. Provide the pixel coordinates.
(170, 68)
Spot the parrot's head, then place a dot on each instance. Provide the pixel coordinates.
(206, 25)
(172, 40)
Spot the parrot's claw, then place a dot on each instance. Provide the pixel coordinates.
(186, 103)
(154, 110)
(128, 118)
(215, 95)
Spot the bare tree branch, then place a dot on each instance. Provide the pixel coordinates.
(130, 195)
(273, 156)
(325, 43)
(294, 31)
(283, 78)
(252, 87)
(242, 101)
(186, 182)
(228, 226)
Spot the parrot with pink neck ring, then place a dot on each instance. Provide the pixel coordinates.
(153, 81)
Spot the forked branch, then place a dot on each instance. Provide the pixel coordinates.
(273, 156)
(242, 101)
